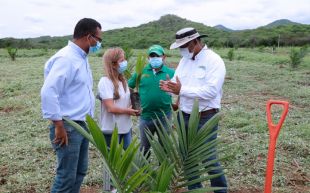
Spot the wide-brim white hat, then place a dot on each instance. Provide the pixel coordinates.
(185, 35)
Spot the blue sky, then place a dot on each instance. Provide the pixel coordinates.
(33, 18)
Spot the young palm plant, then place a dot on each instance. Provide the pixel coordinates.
(187, 150)
(181, 155)
(134, 95)
(119, 163)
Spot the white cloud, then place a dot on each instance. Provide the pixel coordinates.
(32, 18)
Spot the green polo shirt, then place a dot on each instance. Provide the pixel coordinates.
(154, 101)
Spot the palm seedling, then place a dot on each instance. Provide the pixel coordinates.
(181, 155)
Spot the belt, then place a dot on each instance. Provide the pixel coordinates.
(205, 113)
(208, 112)
(76, 121)
(79, 122)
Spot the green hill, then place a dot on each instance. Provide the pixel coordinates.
(223, 28)
(288, 35)
(280, 22)
(162, 32)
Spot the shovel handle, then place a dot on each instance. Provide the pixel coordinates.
(274, 129)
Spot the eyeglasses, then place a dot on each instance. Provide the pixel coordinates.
(153, 55)
(99, 39)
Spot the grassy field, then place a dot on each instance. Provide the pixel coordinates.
(27, 160)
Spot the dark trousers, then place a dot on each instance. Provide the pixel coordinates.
(151, 126)
(216, 182)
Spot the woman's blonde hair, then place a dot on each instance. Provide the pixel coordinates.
(110, 61)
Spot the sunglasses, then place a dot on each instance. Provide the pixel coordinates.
(99, 39)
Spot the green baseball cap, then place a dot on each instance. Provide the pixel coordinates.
(157, 49)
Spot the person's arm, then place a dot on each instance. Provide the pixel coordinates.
(60, 133)
(209, 90)
(132, 81)
(55, 83)
(163, 84)
(112, 108)
(175, 106)
(106, 90)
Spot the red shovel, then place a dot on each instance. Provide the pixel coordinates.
(274, 132)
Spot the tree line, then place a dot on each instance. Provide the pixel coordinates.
(163, 31)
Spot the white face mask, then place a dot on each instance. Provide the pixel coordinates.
(186, 54)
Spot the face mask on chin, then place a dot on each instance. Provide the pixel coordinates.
(186, 54)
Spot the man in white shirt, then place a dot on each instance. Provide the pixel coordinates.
(199, 75)
(67, 92)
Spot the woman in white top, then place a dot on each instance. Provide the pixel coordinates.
(115, 97)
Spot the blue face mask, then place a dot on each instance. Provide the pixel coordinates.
(96, 48)
(122, 67)
(156, 62)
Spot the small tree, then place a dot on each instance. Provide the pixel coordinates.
(297, 56)
(231, 54)
(273, 49)
(12, 52)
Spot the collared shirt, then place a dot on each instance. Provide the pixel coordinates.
(201, 79)
(154, 101)
(68, 83)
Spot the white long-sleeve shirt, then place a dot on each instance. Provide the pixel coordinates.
(67, 89)
(201, 78)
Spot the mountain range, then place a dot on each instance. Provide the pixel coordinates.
(280, 22)
(162, 32)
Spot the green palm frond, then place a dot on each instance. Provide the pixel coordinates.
(141, 61)
(126, 177)
(181, 156)
(163, 177)
(186, 149)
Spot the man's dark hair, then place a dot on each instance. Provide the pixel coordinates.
(84, 27)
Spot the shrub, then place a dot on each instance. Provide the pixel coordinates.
(273, 49)
(12, 52)
(297, 56)
(231, 54)
(261, 48)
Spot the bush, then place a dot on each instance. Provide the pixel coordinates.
(231, 54)
(261, 48)
(12, 52)
(297, 56)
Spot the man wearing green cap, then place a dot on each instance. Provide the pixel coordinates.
(154, 102)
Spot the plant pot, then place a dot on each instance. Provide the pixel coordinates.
(135, 100)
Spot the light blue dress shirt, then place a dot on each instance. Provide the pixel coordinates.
(68, 84)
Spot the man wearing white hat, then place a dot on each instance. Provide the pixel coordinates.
(199, 75)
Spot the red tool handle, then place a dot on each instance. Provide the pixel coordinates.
(273, 135)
